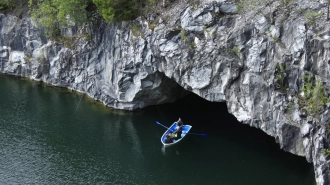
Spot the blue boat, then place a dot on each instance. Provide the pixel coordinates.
(185, 130)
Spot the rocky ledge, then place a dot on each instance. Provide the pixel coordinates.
(259, 62)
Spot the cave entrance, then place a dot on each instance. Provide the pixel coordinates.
(234, 142)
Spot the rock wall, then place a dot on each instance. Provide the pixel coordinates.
(256, 62)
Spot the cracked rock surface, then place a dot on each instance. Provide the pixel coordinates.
(255, 62)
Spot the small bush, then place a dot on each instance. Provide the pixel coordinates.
(183, 35)
(318, 99)
(285, 2)
(136, 29)
(8, 4)
(3, 6)
(290, 106)
(308, 87)
(246, 5)
(326, 151)
(86, 37)
(311, 16)
(151, 26)
(280, 75)
(234, 51)
(192, 45)
(314, 97)
(69, 42)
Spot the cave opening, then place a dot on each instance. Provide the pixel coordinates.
(209, 117)
(213, 118)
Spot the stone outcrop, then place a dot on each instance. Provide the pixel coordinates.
(255, 62)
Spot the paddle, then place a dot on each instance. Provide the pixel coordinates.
(198, 134)
(187, 133)
(161, 124)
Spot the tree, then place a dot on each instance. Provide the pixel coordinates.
(50, 14)
(4, 4)
(74, 10)
(117, 10)
(105, 9)
(45, 15)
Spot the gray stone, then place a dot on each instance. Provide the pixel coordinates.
(228, 8)
(207, 49)
(305, 129)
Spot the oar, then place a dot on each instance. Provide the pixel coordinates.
(197, 134)
(187, 133)
(161, 124)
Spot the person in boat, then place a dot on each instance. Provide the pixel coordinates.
(179, 123)
(178, 132)
(178, 129)
(168, 139)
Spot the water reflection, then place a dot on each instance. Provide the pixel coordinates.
(132, 134)
(163, 150)
(170, 150)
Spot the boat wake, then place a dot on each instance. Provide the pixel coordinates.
(163, 150)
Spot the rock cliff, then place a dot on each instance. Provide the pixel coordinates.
(256, 61)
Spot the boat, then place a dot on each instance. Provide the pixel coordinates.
(185, 130)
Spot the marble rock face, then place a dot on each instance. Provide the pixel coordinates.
(255, 62)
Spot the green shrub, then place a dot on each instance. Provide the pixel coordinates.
(8, 4)
(311, 16)
(192, 45)
(71, 41)
(136, 29)
(308, 87)
(246, 5)
(51, 14)
(314, 97)
(4, 5)
(120, 10)
(290, 106)
(234, 51)
(183, 35)
(285, 2)
(318, 98)
(280, 78)
(326, 151)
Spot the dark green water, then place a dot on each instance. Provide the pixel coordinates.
(48, 137)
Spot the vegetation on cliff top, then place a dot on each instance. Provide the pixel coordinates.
(52, 14)
(14, 7)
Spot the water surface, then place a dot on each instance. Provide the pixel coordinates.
(51, 135)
